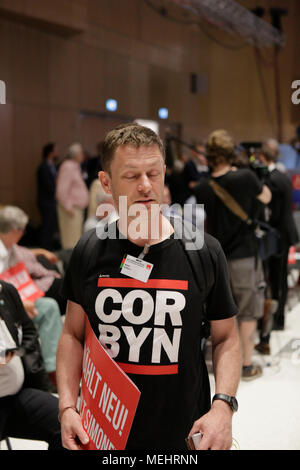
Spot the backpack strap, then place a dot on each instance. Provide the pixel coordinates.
(199, 259)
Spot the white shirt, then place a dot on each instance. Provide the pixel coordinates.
(11, 374)
(271, 167)
(11, 377)
(4, 257)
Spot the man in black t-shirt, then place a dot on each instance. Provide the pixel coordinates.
(236, 237)
(150, 327)
(281, 217)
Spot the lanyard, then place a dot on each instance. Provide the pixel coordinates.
(145, 251)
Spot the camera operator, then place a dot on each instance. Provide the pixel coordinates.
(236, 237)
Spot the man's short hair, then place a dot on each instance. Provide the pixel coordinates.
(47, 149)
(12, 217)
(220, 148)
(128, 134)
(270, 150)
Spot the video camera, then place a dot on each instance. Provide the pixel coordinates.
(252, 150)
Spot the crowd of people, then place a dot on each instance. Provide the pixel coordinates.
(237, 188)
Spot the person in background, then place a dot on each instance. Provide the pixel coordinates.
(93, 165)
(195, 168)
(72, 196)
(46, 181)
(236, 237)
(27, 409)
(97, 199)
(281, 217)
(45, 311)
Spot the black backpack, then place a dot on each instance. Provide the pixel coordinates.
(200, 262)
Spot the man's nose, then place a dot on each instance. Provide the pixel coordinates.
(144, 184)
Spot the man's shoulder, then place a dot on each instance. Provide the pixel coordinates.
(242, 173)
(212, 245)
(279, 177)
(89, 238)
(94, 240)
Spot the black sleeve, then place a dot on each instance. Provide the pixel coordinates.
(220, 302)
(253, 182)
(72, 288)
(20, 316)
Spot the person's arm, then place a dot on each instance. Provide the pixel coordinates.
(51, 257)
(68, 373)
(63, 186)
(22, 317)
(265, 196)
(216, 425)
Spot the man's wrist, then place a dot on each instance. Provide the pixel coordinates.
(221, 405)
(65, 408)
(228, 400)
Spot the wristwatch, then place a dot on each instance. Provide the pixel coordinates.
(231, 401)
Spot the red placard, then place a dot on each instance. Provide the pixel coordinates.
(296, 182)
(108, 398)
(19, 277)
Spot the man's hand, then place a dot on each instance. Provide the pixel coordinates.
(8, 358)
(30, 309)
(51, 257)
(216, 427)
(70, 212)
(72, 432)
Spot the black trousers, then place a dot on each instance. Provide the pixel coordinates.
(49, 226)
(31, 414)
(277, 272)
(278, 281)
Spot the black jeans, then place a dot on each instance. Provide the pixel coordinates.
(31, 414)
(277, 271)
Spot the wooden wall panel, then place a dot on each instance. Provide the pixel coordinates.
(63, 73)
(31, 125)
(6, 58)
(92, 71)
(64, 126)
(6, 155)
(110, 14)
(138, 92)
(29, 66)
(116, 81)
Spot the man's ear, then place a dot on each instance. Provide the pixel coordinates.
(105, 181)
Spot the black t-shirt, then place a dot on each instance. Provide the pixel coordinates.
(155, 325)
(236, 238)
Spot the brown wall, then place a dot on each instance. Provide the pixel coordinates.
(62, 57)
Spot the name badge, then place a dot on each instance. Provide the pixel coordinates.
(136, 268)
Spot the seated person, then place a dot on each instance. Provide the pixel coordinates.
(45, 311)
(27, 411)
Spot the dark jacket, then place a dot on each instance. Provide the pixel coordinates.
(282, 207)
(46, 179)
(13, 313)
